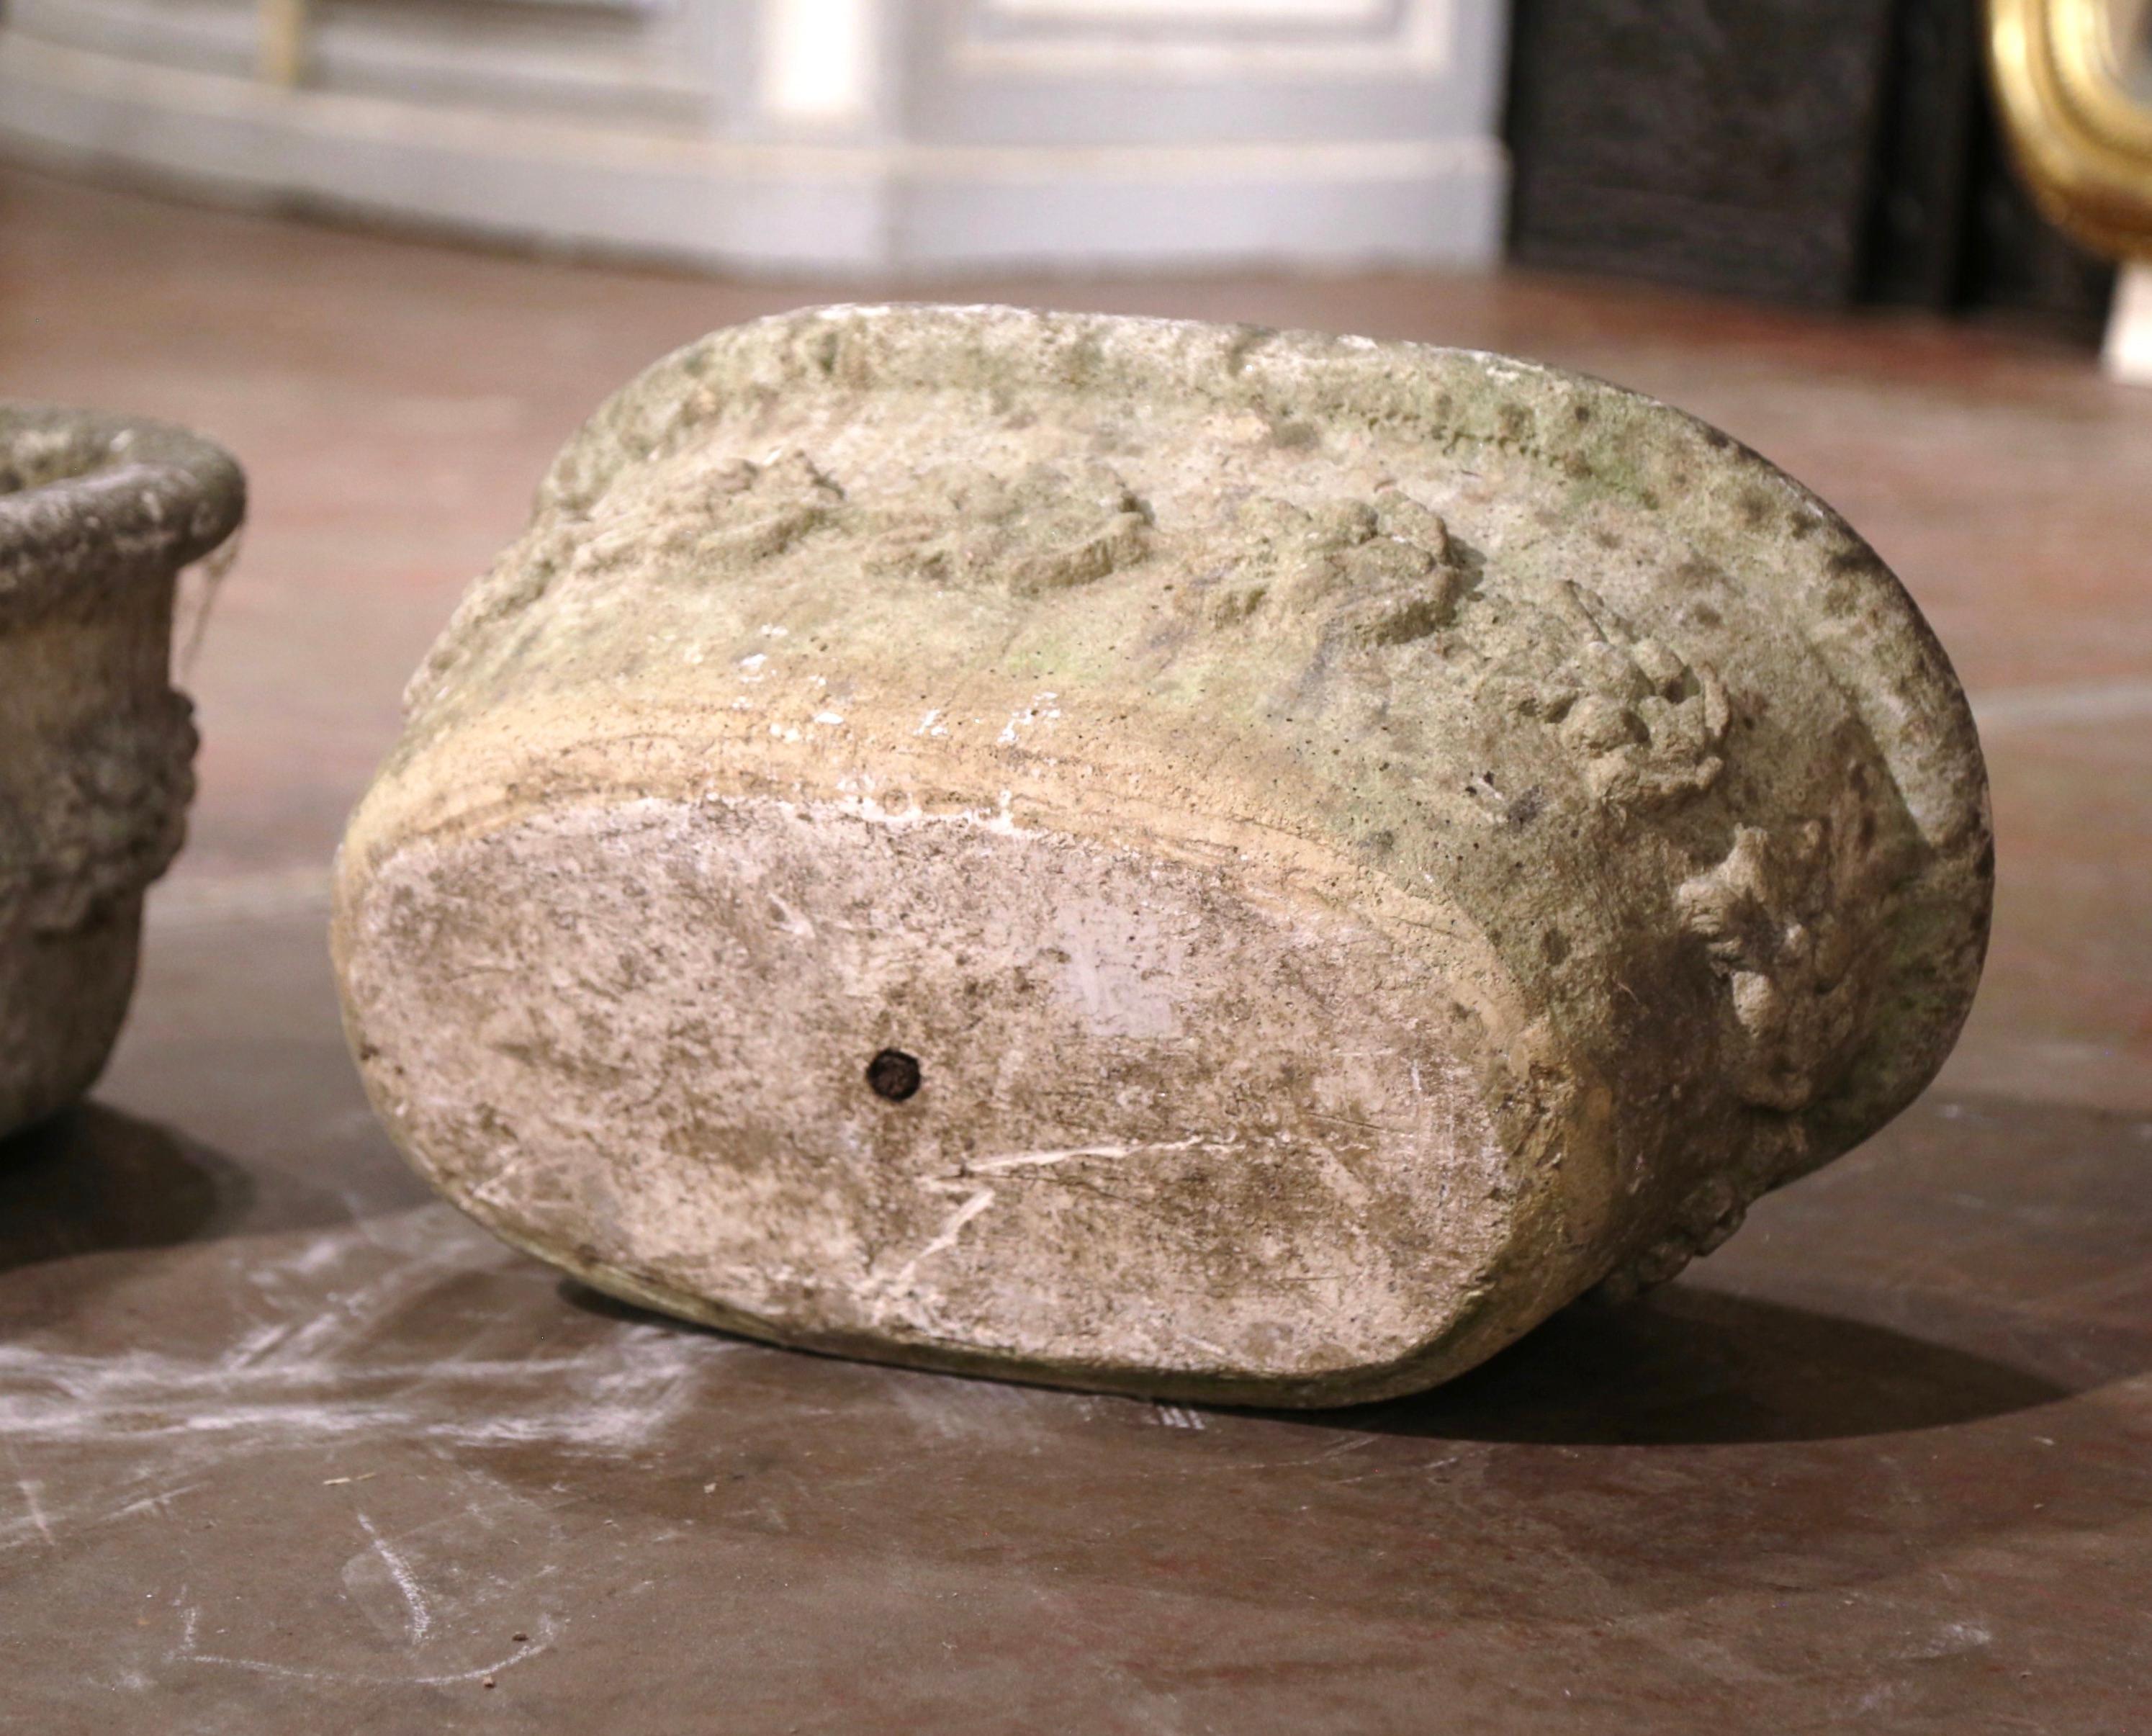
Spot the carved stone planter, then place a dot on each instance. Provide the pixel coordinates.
(98, 514)
(1197, 861)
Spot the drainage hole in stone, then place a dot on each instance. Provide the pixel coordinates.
(893, 1074)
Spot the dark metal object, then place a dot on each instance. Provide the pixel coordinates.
(1723, 144)
(2017, 263)
(1819, 151)
(1932, 123)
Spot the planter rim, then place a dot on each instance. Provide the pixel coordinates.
(89, 499)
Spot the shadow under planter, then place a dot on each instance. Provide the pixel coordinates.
(1687, 1366)
(92, 1181)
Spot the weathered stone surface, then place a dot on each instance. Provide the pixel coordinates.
(1196, 861)
(97, 516)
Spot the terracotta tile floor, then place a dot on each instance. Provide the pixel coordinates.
(282, 1442)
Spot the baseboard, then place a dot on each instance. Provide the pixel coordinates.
(833, 209)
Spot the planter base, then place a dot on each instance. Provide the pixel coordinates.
(932, 1086)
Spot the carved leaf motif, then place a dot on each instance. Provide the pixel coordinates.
(1379, 572)
(720, 522)
(1041, 530)
(1647, 725)
(725, 521)
(106, 823)
(1769, 915)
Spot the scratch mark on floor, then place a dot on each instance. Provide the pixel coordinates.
(159, 1503)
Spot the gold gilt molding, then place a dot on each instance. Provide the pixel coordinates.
(280, 52)
(2084, 144)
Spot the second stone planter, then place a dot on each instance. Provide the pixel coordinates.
(1191, 860)
(98, 514)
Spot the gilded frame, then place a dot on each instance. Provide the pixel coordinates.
(2085, 146)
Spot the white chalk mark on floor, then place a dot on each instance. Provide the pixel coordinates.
(421, 1621)
(30, 1487)
(543, 1631)
(331, 1370)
